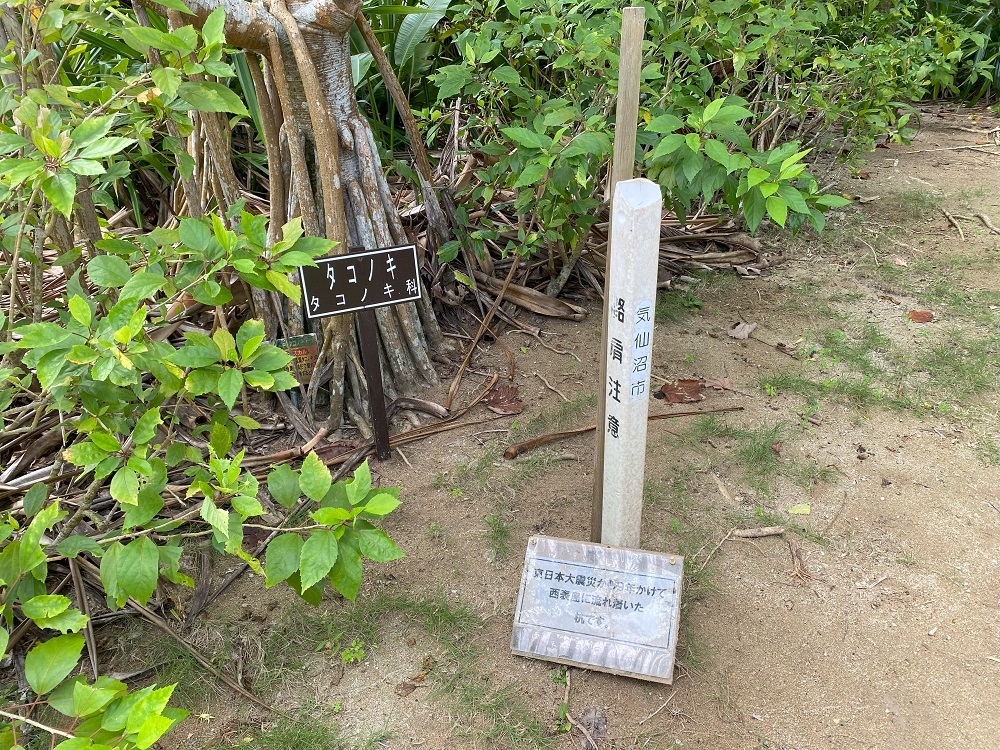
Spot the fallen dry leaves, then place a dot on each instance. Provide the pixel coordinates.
(920, 316)
(741, 330)
(503, 400)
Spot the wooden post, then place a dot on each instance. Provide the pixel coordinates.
(373, 377)
(622, 166)
(631, 293)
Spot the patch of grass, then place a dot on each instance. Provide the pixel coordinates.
(763, 517)
(673, 306)
(859, 391)
(761, 462)
(498, 533)
(567, 415)
(915, 204)
(692, 652)
(307, 733)
(496, 716)
(961, 367)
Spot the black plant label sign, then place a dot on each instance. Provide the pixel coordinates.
(360, 281)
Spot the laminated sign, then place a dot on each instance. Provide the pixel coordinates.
(599, 607)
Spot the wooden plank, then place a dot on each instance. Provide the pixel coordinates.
(635, 246)
(622, 168)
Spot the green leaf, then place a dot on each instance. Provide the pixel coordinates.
(381, 505)
(319, 554)
(668, 145)
(84, 454)
(777, 209)
(4, 640)
(166, 80)
(283, 484)
(142, 285)
(35, 335)
(528, 138)
(125, 486)
(109, 271)
(730, 115)
(49, 663)
(451, 79)
(211, 97)
(230, 385)
(65, 622)
(664, 124)
(315, 479)
(346, 574)
(247, 506)
(794, 199)
(259, 379)
(89, 699)
(331, 516)
(72, 546)
(282, 558)
(212, 30)
(717, 152)
(105, 148)
(413, 29)
(217, 518)
(756, 175)
(753, 208)
(531, 174)
(507, 75)
(80, 310)
(191, 355)
(60, 189)
(145, 427)
(200, 382)
(832, 201)
(693, 141)
(712, 110)
(34, 498)
(359, 487)
(48, 605)
(376, 545)
(588, 144)
(138, 569)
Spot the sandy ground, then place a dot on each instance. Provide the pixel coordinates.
(886, 639)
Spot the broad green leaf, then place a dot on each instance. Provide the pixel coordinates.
(381, 505)
(4, 640)
(756, 175)
(712, 110)
(109, 271)
(148, 706)
(72, 546)
(166, 80)
(376, 545)
(314, 479)
(49, 605)
(588, 144)
(151, 730)
(346, 574)
(35, 335)
(217, 518)
(331, 516)
(145, 427)
(318, 556)
(105, 147)
(125, 486)
(89, 699)
(71, 620)
(60, 189)
(717, 152)
(84, 454)
(528, 138)
(247, 506)
(80, 310)
(777, 209)
(359, 487)
(191, 355)
(212, 30)
(413, 29)
(664, 124)
(91, 129)
(230, 385)
(249, 337)
(196, 234)
(211, 97)
(282, 558)
(138, 569)
(451, 79)
(693, 141)
(259, 379)
(283, 484)
(143, 285)
(200, 382)
(668, 145)
(531, 174)
(34, 498)
(507, 75)
(794, 199)
(49, 663)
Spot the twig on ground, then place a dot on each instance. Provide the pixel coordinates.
(659, 709)
(757, 533)
(954, 222)
(516, 450)
(552, 387)
(574, 722)
(538, 338)
(987, 223)
(405, 459)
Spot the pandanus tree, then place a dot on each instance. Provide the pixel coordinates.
(324, 166)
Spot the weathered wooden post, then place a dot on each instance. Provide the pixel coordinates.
(622, 166)
(631, 297)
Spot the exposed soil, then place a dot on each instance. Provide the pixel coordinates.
(887, 638)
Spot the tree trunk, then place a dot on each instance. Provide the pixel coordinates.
(371, 217)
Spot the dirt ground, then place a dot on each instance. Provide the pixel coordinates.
(887, 634)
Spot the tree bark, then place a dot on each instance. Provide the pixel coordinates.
(344, 186)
